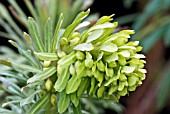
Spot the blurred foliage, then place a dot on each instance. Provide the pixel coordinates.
(40, 10)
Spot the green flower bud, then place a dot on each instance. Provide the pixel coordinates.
(75, 34)
(93, 82)
(72, 70)
(80, 55)
(140, 66)
(48, 84)
(120, 41)
(88, 55)
(141, 76)
(101, 91)
(94, 68)
(101, 66)
(126, 83)
(89, 62)
(61, 54)
(106, 77)
(89, 72)
(53, 99)
(114, 82)
(142, 61)
(74, 41)
(77, 64)
(138, 49)
(134, 43)
(122, 77)
(122, 60)
(132, 88)
(99, 77)
(112, 64)
(63, 41)
(123, 92)
(109, 72)
(139, 83)
(128, 31)
(47, 63)
(112, 89)
(118, 96)
(105, 19)
(121, 86)
(132, 80)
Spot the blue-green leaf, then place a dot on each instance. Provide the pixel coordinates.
(56, 37)
(48, 36)
(35, 35)
(47, 56)
(42, 75)
(39, 105)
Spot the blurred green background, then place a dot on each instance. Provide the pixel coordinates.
(151, 21)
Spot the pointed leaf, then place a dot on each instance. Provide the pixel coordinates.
(39, 105)
(29, 99)
(35, 35)
(48, 36)
(56, 34)
(42, 75)
(47, 56)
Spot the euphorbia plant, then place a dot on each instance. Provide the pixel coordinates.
(65, 66)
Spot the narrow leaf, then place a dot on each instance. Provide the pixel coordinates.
(48, 36)
(39, 105)
(35, 35)
(29, 99)
(56, 34)
(42, 75)
(47, 56)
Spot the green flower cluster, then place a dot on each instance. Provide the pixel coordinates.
(100, 62)
(95, 62)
